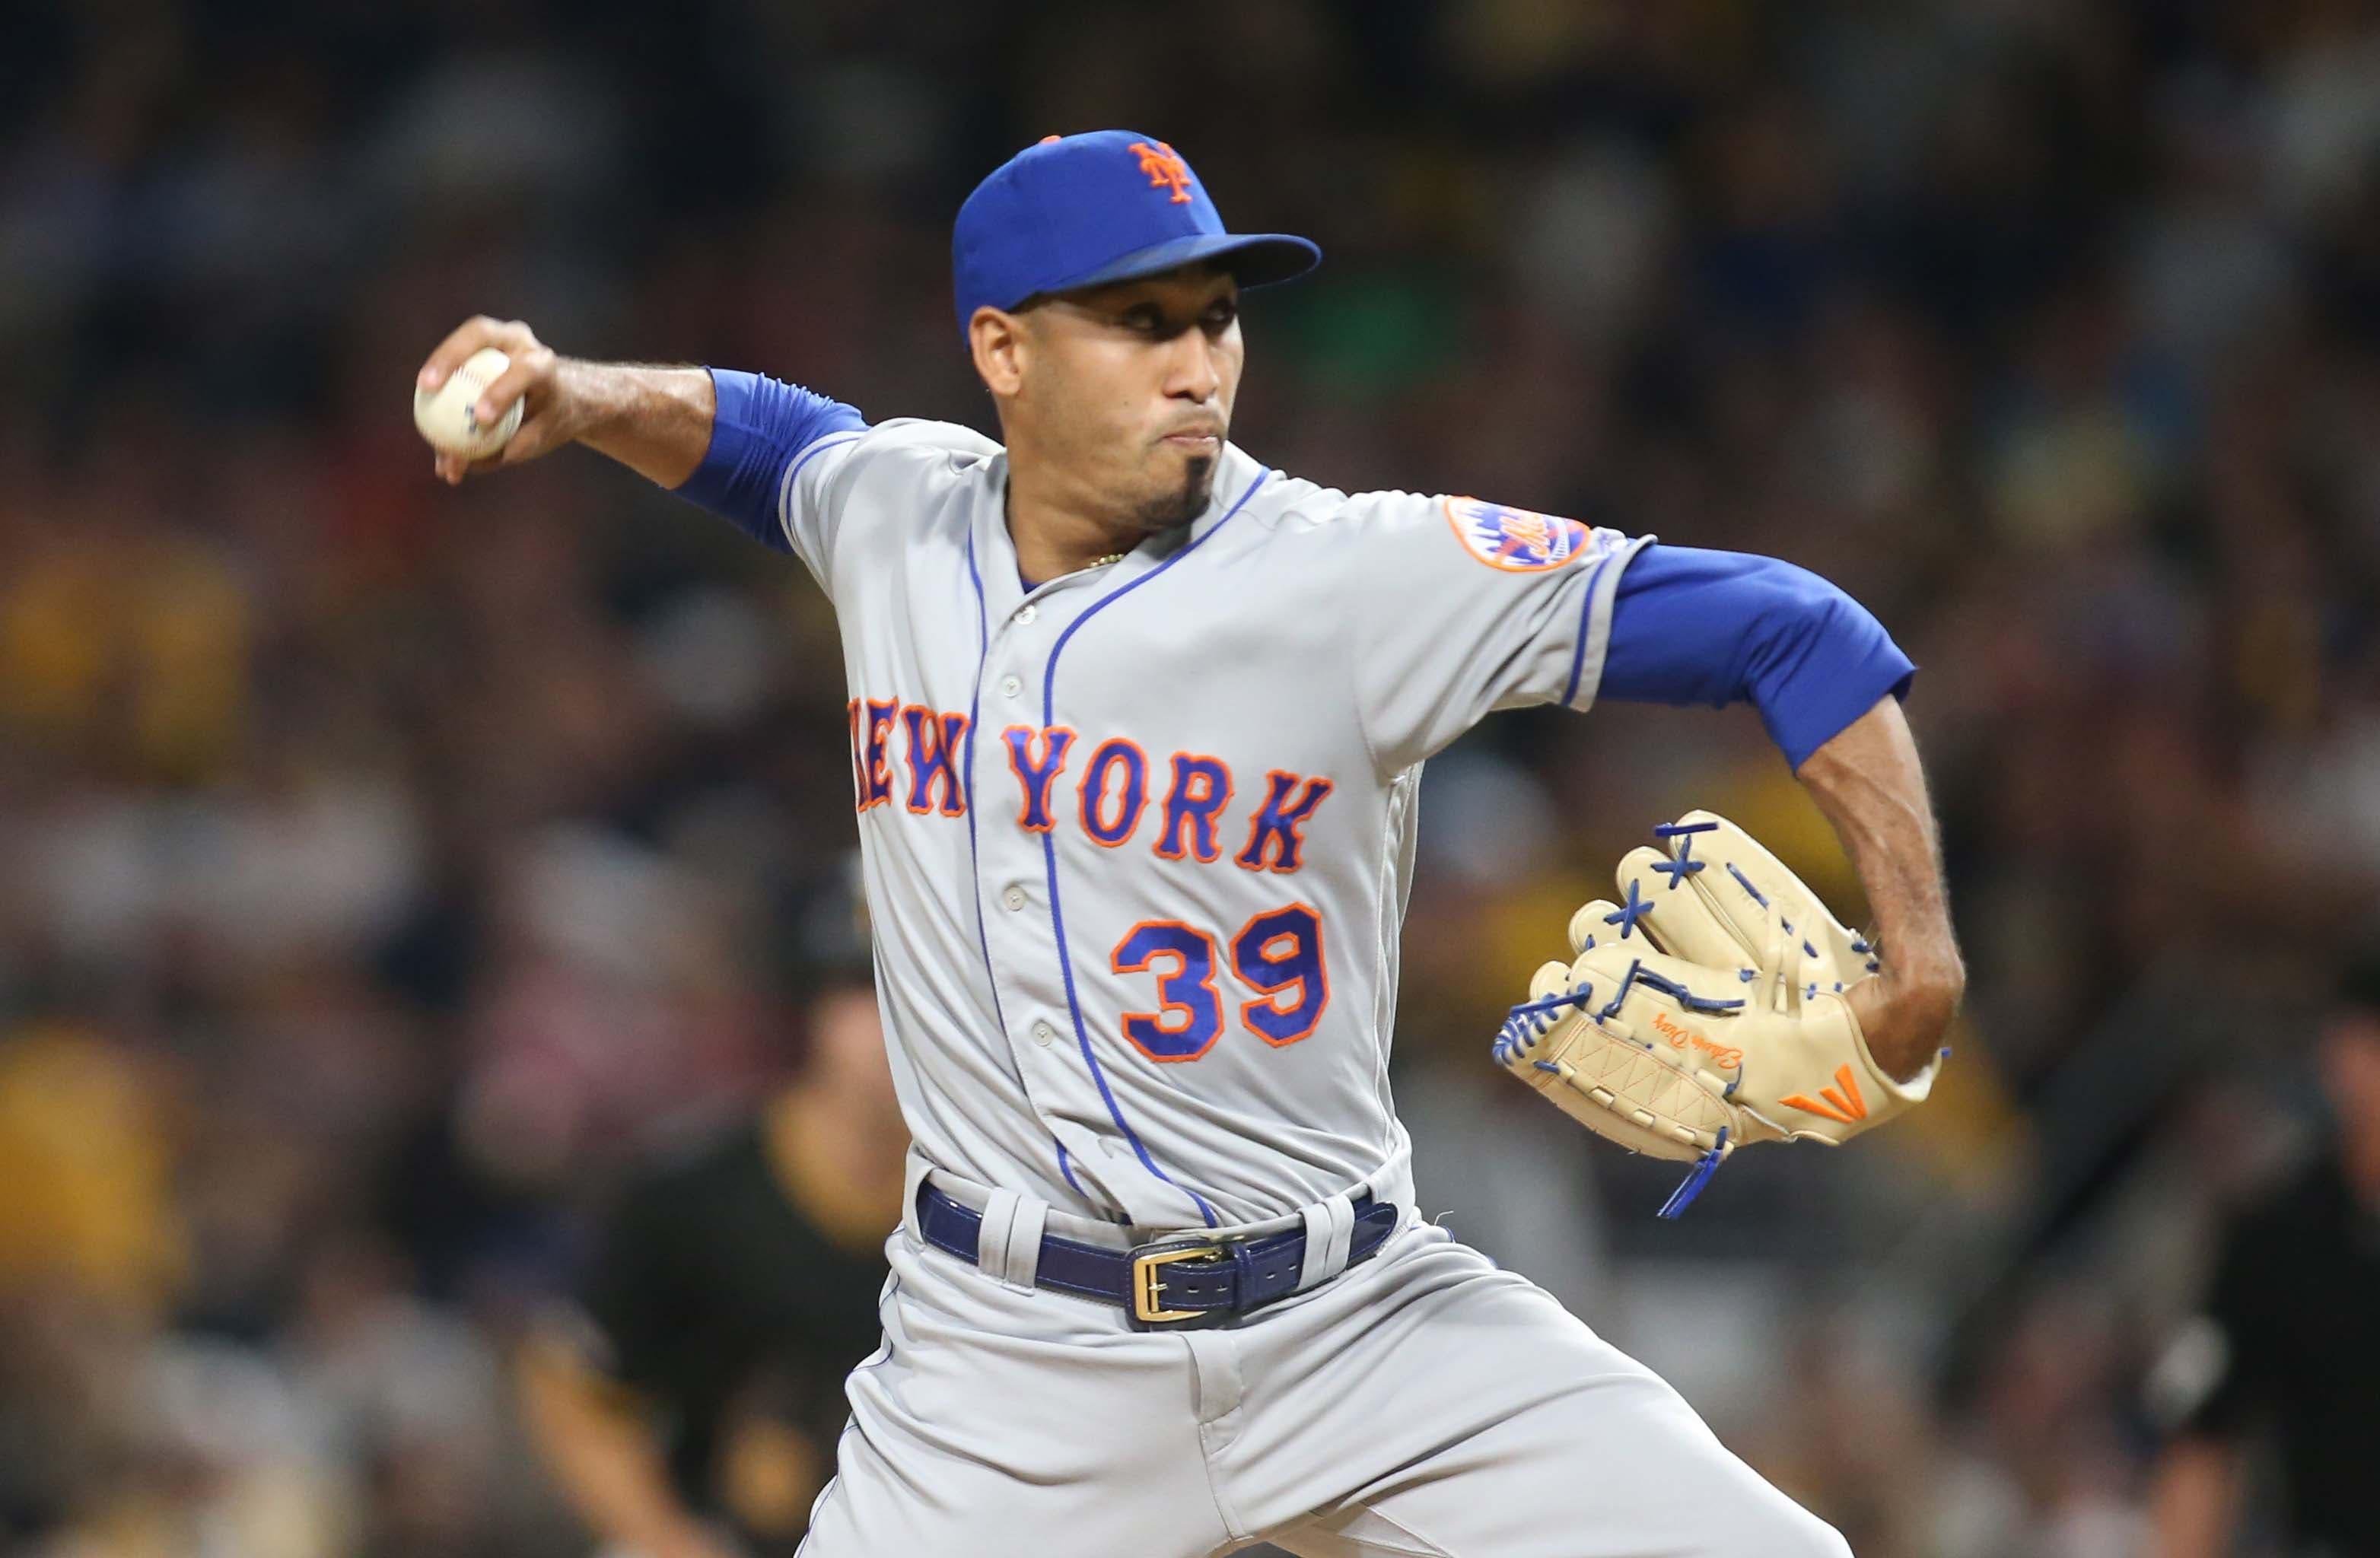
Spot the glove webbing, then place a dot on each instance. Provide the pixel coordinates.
(1527, 1022)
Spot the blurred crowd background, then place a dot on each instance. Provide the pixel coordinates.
(386, 869)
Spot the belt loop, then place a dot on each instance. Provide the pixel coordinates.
(1330, 1233)
(991, 1234)
(1023, 1255)
(913, 1180)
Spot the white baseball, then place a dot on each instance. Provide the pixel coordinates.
(443, 414)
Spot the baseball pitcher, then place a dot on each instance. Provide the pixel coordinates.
(1137, 725)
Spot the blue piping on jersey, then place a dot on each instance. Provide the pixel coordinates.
(803, 456)
(975, 863)
(818, 446)
(975, 705)
(1586, 616)
(1050, 849)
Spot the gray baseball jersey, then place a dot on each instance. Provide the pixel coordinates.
(1138, 841)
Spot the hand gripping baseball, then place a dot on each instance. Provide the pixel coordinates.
(1705, 1009)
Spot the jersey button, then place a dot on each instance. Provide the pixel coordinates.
(1013, 898)
(1010, 686)
(1043, 1033)
(1024, 617)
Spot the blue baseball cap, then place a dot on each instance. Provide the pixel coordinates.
(1081, 210)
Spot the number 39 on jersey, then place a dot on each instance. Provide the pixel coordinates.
(1278, 955)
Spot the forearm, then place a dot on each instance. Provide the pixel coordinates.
(1868, 782)
(656, 421)
(603, 1459)
(725, 440)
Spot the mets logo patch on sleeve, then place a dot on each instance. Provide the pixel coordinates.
(1517, 540)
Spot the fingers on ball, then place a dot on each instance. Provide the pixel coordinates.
(513, 336)
(455, 350)
(507, 387)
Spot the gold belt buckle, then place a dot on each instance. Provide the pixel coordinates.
(1147, 1286)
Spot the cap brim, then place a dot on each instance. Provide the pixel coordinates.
(1253, 259)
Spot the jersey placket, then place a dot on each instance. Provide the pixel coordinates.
(1012, 867)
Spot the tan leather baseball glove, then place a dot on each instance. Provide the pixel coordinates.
(1703, 1011)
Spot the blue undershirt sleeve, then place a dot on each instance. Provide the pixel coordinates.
(761, 426)
(1694, 626)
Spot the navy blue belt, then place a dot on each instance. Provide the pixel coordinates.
(1170, 1281)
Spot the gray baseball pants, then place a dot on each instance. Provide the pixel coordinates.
(1423, 1403)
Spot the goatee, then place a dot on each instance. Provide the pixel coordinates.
(1183, 504)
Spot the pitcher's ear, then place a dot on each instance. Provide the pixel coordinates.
(997, 341)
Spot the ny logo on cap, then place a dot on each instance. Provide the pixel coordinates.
(1165, 169)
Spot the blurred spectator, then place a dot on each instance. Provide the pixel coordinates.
(698, 1380)
(2263, 1363)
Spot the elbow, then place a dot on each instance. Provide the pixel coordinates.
(1953, 986)
(1943, 988)
(1930, 991)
